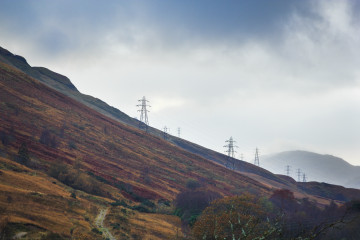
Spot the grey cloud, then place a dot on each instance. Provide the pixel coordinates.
(265, 72)
(174, 21)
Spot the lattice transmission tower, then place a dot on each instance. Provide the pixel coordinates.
(230, 161)
(165, 132)
(288, 170)
(304, 177)
(298, 172)
(256, 160)
(144, 121)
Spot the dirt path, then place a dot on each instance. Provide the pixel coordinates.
(19, 235)
(99, 222)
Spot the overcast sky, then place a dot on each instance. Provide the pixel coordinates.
(278, 75)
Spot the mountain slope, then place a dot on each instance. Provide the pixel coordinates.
(37, 204)
(103, 160)
(64, 85)
(322, 168)
(114, 151)
(94, 155)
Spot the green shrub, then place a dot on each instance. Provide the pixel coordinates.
(72, 145)
(115, 225)
(141, 208)
(73, 195)
(164, 202)
(99, 178)
(148, 203)
(97, 231)
(23, 154)
(77, 179)
(119, 203)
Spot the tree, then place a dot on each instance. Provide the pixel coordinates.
(346, 226)
(239, 217)
(283, 198)
(4, 220)
(23, 154)
(73, 195)
(192, 184)
(77, 164)
(4, 138)
(189, 204)
(48, 139)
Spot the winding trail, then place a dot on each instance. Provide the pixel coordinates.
(99, 222)
(19, 235)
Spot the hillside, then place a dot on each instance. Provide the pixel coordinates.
(37, 204)
(51, 139)
(32, 111)
(321, 168)
(62, 84)
(65, 138)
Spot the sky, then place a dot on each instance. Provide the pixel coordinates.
(278, 75)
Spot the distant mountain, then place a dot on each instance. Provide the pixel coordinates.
(317, 167)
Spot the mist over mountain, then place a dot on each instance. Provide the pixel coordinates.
(317, 167)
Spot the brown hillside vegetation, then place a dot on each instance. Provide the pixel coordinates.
(41, 205)
(82, 148)
(118, 154)
(62, 84)
(61, 162)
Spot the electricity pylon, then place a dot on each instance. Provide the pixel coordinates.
(298, 172)
(144, 121)
(288, 169)
(230, 163)
(256, 160)
(165, 132)
(179, 132)
(304, 177)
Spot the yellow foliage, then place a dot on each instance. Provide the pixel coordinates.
(239, 217)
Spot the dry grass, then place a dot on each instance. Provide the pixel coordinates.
(128, 224)
(156, 226)
(27, 198)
